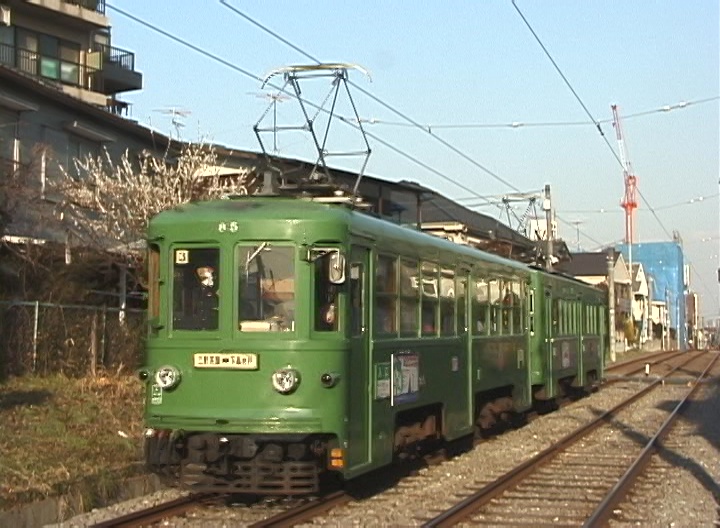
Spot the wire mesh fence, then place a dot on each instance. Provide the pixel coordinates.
(75, 340)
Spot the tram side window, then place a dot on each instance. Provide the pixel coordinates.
(195, 287)
(480, 307)
(461, 295)
(409, 297)
(555, 312)
(496, 296)
(447, 302)
(386, 295)
(266, 296)
(430, 292)
(512, 307)
(326, 298)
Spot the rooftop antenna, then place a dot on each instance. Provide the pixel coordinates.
(274, 99)
(177, 114)
(577, 224)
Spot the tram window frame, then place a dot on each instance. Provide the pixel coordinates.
(495, 294)
(272, 293)
(461, 311)
(555, 316)
(386, 293)
(326, 299)
(480, 306)
(448, 308)
(429, 290)
(196, 305)
(409, 297)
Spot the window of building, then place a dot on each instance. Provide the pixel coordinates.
(48, 56)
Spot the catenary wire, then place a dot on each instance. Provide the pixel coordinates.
(525, 124)
(251, 75)
(392, 109)
(557, 68)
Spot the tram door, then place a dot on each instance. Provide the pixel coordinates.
(360, 394)
(550, 336)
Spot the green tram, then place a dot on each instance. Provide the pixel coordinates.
(291, 341)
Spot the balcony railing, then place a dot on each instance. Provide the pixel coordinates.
(93, 5)
(54, 69)
(100, 76)
(116, 56)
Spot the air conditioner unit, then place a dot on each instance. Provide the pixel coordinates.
(4, 15)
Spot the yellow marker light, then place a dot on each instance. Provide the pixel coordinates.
(337, 460)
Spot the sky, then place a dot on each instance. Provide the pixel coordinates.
(466, 71)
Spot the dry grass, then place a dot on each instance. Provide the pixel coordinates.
(57, 432)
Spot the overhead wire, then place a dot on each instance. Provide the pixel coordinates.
(582, 104)
(251, 75)
(526, 124)
(392, 109)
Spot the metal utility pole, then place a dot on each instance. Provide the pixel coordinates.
(611, 303)
(547, 207)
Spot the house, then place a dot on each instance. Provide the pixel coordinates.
(641, 303)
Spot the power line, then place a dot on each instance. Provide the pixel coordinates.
(654, 214)
(251, 75)
(391, 108)
(597, 124)
(567, 83)
(545, 124)
(689, 201)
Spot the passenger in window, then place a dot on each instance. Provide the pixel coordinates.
(207, 300)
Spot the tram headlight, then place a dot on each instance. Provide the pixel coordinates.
(285, 380)
(167, 377)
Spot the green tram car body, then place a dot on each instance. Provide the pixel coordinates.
(292, 340)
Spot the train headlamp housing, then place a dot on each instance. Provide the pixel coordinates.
(330, 379)
(285, 380)
(167, 377)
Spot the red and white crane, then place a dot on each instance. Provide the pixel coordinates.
(629, 201)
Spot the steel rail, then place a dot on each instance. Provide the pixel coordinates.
(155, 513)
(305, 512)
(484, 495)
(618, 492)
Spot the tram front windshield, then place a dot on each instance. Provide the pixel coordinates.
(266, 296)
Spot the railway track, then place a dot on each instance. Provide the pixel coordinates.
(158, 512)
(585, 475)
(297, 512)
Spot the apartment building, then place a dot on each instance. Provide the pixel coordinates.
(68, 43)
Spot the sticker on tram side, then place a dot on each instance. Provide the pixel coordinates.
(156, 395)
(405, 378)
